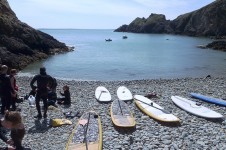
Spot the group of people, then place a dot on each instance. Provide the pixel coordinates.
(46, 90)
(43, 88)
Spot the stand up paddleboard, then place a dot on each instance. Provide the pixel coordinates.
(154, 110)
(124, 93)
(209, 99)
(87, 134)
(121, 115)
(102, 94)
(194, 108)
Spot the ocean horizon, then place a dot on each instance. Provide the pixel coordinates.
(140, 56)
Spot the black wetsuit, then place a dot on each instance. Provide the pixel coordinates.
(5, 92)
(66, 99)
(42, 91)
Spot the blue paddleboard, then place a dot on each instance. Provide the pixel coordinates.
(209, 99)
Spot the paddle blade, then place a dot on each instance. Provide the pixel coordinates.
(83, 122)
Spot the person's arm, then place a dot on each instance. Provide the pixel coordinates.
(32, 82)
(2, 136)
(10, 87)
(12, 80)
(63, 94)
(12, 83)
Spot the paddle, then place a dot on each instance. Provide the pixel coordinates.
(151, 104)
(120, 107)
(84, 122)
(101, 94)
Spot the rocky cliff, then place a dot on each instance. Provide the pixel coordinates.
(20, 44)
(207, 21)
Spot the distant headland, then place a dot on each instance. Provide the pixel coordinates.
(208, 21)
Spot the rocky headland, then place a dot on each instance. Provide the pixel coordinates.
(208, 21)
(21, 44)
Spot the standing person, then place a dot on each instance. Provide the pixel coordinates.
(12, 120)
(15, 88)
(42, 91)
(67, 96)
(6, 90)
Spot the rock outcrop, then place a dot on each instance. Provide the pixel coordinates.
(206, 21)
(155, 23)
(217, 45)
(20, 44)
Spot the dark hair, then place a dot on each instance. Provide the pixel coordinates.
(43, 70)
(12, 71)
(13, 116)
(66, 87)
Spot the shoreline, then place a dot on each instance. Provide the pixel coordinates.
(192, 133)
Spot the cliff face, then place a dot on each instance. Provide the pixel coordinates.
(207, 21)
(20, 44)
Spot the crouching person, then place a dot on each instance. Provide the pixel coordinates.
(66, 100)
(13, 121)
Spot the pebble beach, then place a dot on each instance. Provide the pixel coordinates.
(191, 133)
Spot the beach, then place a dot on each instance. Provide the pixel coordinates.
(191, 133)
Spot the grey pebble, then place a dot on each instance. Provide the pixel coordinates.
(192, 133)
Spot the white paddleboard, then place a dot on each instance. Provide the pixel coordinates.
(124, 93)
(154, 111)
(102, 94)
(193, 108)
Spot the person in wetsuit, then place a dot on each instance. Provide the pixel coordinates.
(66, 100)
(42, 91)
(6, 90)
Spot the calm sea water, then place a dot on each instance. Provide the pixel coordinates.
(141, 56)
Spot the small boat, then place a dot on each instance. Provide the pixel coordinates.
(108, 40)
(124, 37)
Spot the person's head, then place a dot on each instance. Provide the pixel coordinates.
(66, 88)
(13, 72)
(11, 119)
(4, 69)
(43, 71)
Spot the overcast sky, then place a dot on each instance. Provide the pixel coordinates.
(97, 14)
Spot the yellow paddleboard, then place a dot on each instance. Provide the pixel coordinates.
(121, 115)
(87, 133)
(154, 111)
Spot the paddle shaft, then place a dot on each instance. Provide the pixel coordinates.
(85, 133)
(163, 110)
(101, 94)
(120, 107)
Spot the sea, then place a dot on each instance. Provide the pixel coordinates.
(140, 56)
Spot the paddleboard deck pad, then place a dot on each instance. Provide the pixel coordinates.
(93, 129)
(124, 93)
(153, 112)
(121, 115)
(194, 108)
(209, 99)
(102, 94)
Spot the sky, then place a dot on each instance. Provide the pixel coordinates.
(97, 14)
